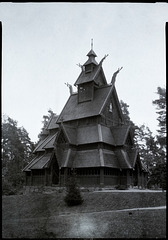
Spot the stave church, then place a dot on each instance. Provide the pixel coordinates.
(89, 136)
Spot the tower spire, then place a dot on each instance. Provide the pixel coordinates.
(92, 44)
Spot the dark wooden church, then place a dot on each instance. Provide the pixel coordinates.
(90, 136)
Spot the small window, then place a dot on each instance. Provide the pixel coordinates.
(110, 107)
(88, 68)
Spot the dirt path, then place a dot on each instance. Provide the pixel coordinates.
(72, 214)
(130, 190)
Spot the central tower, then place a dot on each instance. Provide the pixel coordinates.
(91, 77)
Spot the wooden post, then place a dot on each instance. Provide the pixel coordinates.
(59, 176)
(31, 179)
(65, 175)
(45, 177)
(101, 177)
(128, 178)
(139, 178)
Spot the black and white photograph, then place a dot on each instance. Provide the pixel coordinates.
(83, 120)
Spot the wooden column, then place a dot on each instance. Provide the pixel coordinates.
(128, 178)
(59, 176)
(101, 177)
(65, 175)
(31, 179)
(139, 178)
(45, 177)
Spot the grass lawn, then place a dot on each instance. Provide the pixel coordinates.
(46, 216)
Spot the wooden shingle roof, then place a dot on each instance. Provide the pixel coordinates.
(45, 143)
(39, 162)
(88, 134)
(72, 110)
(70, 133)
(110, 159)
(51, 141)
(67, 158)
(133, 153)
(120, 134)
(96, 158)
(92, 76)
(42, 162)
(40, 145)
(52, 122)
(123, 159)
(87, 158)
(33, 161)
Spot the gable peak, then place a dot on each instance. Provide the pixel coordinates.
(91, 57)
(91, 53)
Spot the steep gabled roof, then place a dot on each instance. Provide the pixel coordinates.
(123, 159)
(70, 133)
(45, 143)
(33, 161)
(52, 122)
(110, 159)
(96, 158)
(67, 158)
(48, 139)
(134, 158)
(87, 158)
(88, 134)
(50, 142)
(107, 136)
(88, 77)
(120, 134)
(133, 154)
(39, 162)
(91, 158)
(118, 106)
(43, 162)
(74, 110)
(40, 145)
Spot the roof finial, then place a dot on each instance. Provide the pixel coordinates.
(92, 44)
(114, 75)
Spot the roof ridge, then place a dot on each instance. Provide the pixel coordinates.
(126, 157)
(51, 137)
(108, 95)
(38, 158)
(43, 141)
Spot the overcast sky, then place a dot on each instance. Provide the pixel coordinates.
(42, 43)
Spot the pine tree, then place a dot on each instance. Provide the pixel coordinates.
(45, 121)
(159, 173)
(16, 151)
(73, 196)
(160, 104)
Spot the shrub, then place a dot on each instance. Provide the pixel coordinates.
(121, 187)
(73, 196)
(8, 189)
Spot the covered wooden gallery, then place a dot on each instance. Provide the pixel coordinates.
(89, 136)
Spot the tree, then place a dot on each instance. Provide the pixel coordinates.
(16, 152)
(147, 146)
(160, 104)
(46, 118)
(73, 196)
(125, 111)
(152, 149)
(159, 173)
